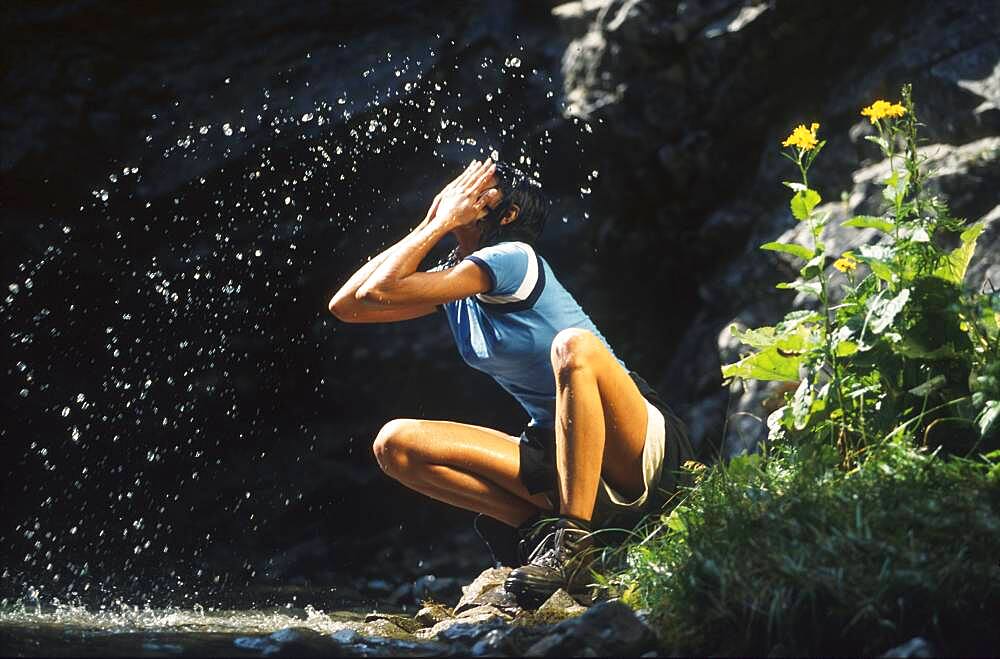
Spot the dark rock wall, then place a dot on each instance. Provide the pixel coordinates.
(698, 97)
(679, 107)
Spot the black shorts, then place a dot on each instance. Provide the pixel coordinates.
(538, 460)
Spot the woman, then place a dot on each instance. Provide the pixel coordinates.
(600, 446)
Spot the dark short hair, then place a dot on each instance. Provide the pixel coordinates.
(519, 189)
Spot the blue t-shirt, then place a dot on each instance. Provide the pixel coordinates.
(507, 332)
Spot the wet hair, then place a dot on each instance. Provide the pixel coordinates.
(526, 193)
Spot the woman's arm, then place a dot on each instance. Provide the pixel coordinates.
(395, 281)
(347, 307)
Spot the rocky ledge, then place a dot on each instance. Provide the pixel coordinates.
(485, 622)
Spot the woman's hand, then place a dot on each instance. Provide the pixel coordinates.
(467, 198)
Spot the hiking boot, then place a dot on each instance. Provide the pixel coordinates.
(559, 561)
(530, 534)
(511, 546)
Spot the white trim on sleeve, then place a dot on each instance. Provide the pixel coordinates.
(527, 284)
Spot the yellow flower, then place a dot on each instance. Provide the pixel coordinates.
(880, 109)
(846, 263)
(802, 137)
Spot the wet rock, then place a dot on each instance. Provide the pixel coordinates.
(468, 628)
(347, 636)
(386, 629)
(608, 628)
(512, 641)
(915, 647)
(406, 623)
(431, 614)
(483, 610)
(486, 589)
(559, 606)
(470, 632)
(293, 642)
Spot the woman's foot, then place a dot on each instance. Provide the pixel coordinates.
(561, 560)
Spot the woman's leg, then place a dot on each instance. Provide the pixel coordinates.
(463, 465)
(600, 423)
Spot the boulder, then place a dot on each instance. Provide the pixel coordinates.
(487, 589)
(608, 628)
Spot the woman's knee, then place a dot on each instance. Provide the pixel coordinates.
(574, 349)
(391, 445)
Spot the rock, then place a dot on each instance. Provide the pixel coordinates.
(468, 628)
(558, 606)
(483, 610)
(431, 614)
(915, 647)
(487, 588)
(608, 628)
(510, 641)
(347, 636)
(406, 623)
(385, 628)
(293, 642)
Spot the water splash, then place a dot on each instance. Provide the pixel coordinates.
(184, 298)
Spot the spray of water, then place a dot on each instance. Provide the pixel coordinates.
(178, 320)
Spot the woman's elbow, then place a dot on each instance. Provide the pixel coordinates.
(370, 293)
(341, 308)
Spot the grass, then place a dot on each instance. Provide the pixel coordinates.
(787, 554)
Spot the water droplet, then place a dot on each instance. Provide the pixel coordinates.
(307, 117)
(65, 411)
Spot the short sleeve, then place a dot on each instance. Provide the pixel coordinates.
(506, 264)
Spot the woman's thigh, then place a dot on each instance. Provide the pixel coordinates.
(404, 444)
(623, 405)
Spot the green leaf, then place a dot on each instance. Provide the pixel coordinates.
(761, 337)
(794, 319)
(878, 140)
(810, 287)
(813, 153)
(895, 186)
(803, 202)
(880, 259)
(767, 365)
(914, 234)
(883, 312)
(883, 224)
(789, 248)
(814, 267)
(779, 361)
(954, 265)
(845, 348)
(988, 417)
(802, 404)
(675, 522)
